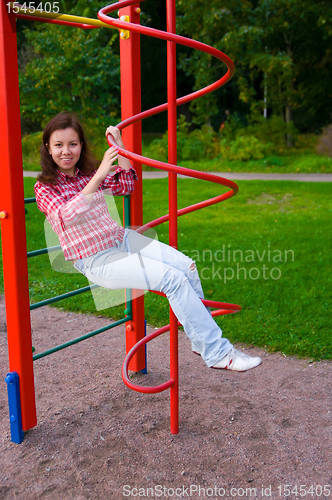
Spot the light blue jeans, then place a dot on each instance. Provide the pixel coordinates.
(143, 263)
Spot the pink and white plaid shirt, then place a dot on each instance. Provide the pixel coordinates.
(84, 228)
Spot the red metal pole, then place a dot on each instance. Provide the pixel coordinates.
(130, 66)
(14, 251)
(172, 201)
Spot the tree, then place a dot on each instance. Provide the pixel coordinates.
(69, 69)
(281, 48)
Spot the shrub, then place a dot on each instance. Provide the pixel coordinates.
(271, 131)
(200, 144)
(158, 149)
(324, 146)
(243, 149)
(31, 144)
(195, 145)
(31, 149)
(233, 126)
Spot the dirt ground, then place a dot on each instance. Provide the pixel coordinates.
(242, 435)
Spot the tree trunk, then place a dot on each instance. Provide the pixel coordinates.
(288, 111)
(289, 117)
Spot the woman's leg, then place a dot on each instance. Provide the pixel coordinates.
(142, 245)
(156, 250)
(118, 269)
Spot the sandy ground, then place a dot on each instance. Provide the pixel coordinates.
(242, 435)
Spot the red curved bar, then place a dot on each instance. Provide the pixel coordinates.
(228, 309)
(126, 361)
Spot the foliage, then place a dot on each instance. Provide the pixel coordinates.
(200, 143)
(236, 143)
(79, 73)
(273, 43)
(243, 148)
(232, 127)
(270, 131)
(31, 148)
(324, 145)
(158, 148)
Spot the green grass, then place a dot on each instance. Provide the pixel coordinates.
(291, 313)
(295, 163)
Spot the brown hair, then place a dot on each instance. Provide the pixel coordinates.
(87, 163)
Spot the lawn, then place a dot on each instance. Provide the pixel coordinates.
(291, 163)
(267, 249)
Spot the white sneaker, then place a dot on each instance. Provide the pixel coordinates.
(237, 361)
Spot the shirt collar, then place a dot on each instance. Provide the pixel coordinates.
(66, 177)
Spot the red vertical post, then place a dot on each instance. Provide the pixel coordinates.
(172, 201)
(130, 68)
(14, 251)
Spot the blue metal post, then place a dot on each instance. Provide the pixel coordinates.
(14, 401)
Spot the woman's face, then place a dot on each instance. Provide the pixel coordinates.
(65, 148)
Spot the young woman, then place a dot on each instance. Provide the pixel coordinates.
(70, 191)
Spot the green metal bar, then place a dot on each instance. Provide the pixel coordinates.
(42, 251)
(126, 202)
(79, 339)
(62, 297)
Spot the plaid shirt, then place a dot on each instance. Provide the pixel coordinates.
(84, 228)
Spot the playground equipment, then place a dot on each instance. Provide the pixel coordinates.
(12, 212)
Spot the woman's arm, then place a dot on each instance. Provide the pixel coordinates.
(107, 165)
(115, 132)
(104, 169)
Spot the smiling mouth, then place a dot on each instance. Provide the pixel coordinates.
(66, 159)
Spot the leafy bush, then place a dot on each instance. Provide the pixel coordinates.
(31, 150)
(233, 126)
(324, 146)
(94, 129)
(306, 142)
(158, 149)
(271, 131)
(31, 144)
(243, 148)
(195, 145)
(200, 144)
